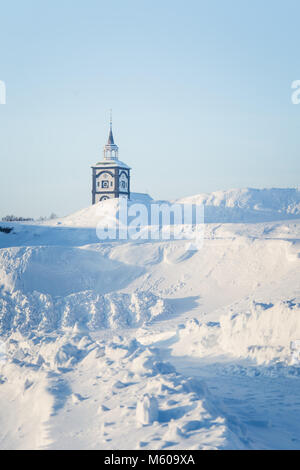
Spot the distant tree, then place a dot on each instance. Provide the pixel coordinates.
(53, 216)
(13, 218)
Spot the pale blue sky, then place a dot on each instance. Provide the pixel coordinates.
(200, 91)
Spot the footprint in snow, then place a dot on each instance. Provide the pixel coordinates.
(102, 409)
(77, 398)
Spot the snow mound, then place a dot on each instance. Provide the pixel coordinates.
(90, 217)
(88, 310)
(248, 205)
(265, 333)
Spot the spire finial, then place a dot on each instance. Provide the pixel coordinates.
(111, 119)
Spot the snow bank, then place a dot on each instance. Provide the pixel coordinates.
(42, 312)
(61, 270)
(263, 333)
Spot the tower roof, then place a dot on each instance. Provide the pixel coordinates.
(110, 137)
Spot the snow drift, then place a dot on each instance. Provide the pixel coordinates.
(42, 312)
(110, 398)
(264, 333)
(61, 270)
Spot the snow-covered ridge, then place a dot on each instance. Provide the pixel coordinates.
(275, 199)
(234, 205)
(248, 205)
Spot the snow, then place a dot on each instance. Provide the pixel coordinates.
(249, 204)
(91, 216)
(112, 162)
(263, 333)
(145, 345)
(89, 310)
(147, 410)
(236, 205)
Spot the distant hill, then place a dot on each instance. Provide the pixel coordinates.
(248, 205)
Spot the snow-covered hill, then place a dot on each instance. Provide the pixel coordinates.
(92, 215)
(248, 205)
(125, 344)
(235, 205)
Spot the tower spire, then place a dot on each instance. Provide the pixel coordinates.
(110, 149)
(110, 137)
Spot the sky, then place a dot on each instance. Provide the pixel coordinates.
(200, 92)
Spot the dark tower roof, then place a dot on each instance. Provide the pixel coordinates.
(110, 137)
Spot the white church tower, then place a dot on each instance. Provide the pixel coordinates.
(111, 177)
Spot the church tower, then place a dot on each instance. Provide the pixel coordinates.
(111, 177)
